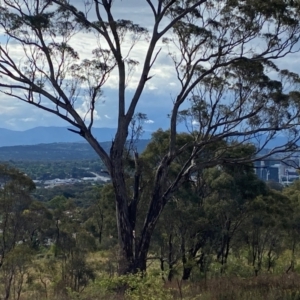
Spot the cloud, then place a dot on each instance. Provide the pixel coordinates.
(28, 119)
(11, 123)
(149, 121)
(8, 110)
(84, 112)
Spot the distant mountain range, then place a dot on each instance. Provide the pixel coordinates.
(52, 134)
(48, 135)
(58, 143)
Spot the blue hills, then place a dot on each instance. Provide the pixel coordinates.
(55, 144)
(48, 135)
(58, 143)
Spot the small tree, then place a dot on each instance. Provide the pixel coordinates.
(221, 50)
(16, 230)
(15, 199)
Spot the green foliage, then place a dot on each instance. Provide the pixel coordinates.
(43, 170)
(135, 286)
(230, 192)
(224, 223)
(82, 194)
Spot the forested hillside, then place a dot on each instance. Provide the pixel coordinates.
(47, 170)
(223, 224)
(57, 151)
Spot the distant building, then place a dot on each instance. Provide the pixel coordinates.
(278, 169)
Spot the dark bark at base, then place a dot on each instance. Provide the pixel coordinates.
(186, 273)
(134, 251)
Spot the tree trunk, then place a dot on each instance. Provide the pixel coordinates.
(8, 285)
(125, 235)
(145, 238)
(187, 268)
(292, 263)
(133, 255)
(170, 258)
(126, 258)
(186, 272)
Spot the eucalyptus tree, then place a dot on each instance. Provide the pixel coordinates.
(222, 53)
(266, 228)
(292, 223)
(234, 188)
(24, 226)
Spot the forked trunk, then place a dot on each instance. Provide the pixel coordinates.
(133, 252)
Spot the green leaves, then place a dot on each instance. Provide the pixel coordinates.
(63, 48)
(129, 26)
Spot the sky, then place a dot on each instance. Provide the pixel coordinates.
(156, 100)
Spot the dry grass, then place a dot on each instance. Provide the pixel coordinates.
(230, 287)
(264, 287)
